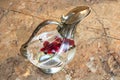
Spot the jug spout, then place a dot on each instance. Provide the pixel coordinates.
(71, 19)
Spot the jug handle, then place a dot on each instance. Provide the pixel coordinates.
(23, 49)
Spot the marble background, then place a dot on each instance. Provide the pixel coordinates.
(98, 39)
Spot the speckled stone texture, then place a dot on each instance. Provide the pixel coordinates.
(97, 36)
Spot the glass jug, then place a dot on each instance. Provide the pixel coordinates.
(51, 51)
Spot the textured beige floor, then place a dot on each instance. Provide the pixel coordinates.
(98, 39)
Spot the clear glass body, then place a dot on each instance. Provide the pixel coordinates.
(50, 51)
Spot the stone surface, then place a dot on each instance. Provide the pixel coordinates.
(98, 39)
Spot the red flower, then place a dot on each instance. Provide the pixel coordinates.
(54, 47)
(46, 43)
(71, 42)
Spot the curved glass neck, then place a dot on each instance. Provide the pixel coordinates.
(68, 30)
